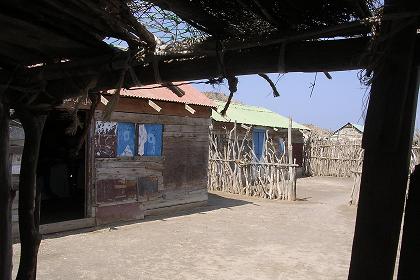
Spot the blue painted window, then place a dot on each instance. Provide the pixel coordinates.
(150, 140)
(125, 139)
(258, 140)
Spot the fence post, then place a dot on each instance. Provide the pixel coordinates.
(292, 193)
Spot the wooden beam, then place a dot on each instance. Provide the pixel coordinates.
(410, 243)
(189, 109)
(104, 100)
(387, 141)
(310, 56)
(154, 106)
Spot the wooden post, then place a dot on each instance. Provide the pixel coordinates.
(294, 179)
(6, 197)
(410, 243)
(292, 194)
(29, 194)
(387, 141)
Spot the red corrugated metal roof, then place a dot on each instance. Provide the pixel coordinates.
(192, 95)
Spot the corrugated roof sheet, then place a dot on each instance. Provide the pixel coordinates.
(154, 92)
(252, 115)
(359, 127)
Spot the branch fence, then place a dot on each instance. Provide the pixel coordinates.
(234, 167)
(342, 159)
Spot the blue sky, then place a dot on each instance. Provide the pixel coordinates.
(333, 103)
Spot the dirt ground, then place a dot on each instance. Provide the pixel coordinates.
(234, 237)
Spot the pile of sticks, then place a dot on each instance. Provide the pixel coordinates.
(234, 167)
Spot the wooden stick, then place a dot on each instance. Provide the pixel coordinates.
(292, 196)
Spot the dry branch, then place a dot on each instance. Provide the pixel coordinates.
(270, 82)
(234, 168)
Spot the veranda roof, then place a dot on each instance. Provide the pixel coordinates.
(252, 115)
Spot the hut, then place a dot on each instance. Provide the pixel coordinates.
(263, 123)
(149, 157)
(349, 131)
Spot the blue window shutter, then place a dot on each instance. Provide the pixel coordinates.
(258, 137)
(125, 140)
(152, 140)
(255, 142)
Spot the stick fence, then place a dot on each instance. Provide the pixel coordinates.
(342, 159)
(234, 167)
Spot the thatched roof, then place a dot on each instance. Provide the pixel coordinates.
(51, 31)
(244, 19)
(66, 48)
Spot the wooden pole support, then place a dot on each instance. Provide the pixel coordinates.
(29, 194)
(6, 197)
(387, 141)
(410, 243)
(292, 194)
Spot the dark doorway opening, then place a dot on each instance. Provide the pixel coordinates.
(61, 172)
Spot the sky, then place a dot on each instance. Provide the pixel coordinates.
(333, 102)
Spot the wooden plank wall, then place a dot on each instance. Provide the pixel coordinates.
(130, 187)
(119, 189)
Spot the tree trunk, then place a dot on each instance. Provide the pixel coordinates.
(6, 198)
(29, 195)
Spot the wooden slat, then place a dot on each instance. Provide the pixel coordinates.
(177, 198)
(40, 39)
(132, 159)
(154, 118)
(67, 225)
(122, 172)
(186, 128)
(174, 208)
(130, 164)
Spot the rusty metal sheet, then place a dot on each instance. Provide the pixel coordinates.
(191, 96)
(105, 139)
(148, 185)
(115, 190)
(121, 212)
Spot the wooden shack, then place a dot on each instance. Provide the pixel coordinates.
(150, 157)
(349, 131)
(263, 122)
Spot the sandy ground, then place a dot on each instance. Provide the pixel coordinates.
(234, 237)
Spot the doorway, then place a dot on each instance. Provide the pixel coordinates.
(61, 168)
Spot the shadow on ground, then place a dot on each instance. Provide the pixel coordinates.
(215, 202)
